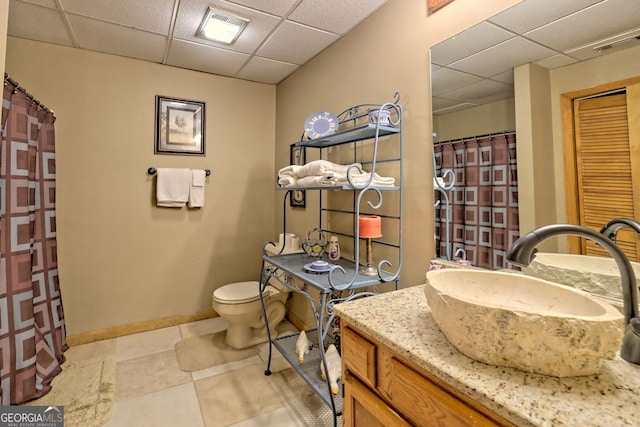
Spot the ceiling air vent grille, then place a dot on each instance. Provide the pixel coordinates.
(221, 27)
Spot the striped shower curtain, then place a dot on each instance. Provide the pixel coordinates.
(483, 204)
(32, 328)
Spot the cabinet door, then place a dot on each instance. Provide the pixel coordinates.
(359, 356)
(422, 402)
(362, 408)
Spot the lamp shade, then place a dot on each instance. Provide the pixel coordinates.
(370, 226)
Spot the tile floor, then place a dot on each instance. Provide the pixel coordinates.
(151, 390)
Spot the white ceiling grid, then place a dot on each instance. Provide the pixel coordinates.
(281, 36)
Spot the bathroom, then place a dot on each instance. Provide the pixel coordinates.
(127, 266)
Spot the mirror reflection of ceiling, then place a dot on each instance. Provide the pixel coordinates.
(475, 67)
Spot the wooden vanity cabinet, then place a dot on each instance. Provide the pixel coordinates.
(381, 388)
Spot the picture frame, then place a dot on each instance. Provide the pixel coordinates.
(179, 127)
(297, 157)
(434, 5)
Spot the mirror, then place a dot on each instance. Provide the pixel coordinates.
(475, 67)
(474, 91)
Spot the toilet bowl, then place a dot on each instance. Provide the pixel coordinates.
(239, 304)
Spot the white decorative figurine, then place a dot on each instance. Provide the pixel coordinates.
(334, 366)
(302, 346)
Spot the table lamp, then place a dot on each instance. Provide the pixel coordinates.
(370, 227)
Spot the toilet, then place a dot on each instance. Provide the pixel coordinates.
(239, 304)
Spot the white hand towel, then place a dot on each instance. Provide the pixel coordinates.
(290, 170)
(287, 181)
(196, 190)
(358, 179)
(318, 167)
(172, 187)
(310, 181)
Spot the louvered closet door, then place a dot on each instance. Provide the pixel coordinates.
(606, 158)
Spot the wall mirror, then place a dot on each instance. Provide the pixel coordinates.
(474, 94)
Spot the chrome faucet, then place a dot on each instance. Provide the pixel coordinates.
(610, 230)
(523, 251)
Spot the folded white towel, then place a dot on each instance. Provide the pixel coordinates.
(310, 181)
(196, 190)
(290, 170)
(287, 181)
(357, 179)
(172, 187)
(318, 167)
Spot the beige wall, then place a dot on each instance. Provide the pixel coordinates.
(496, 116)
(386, 53)
(123, 260)
(536, 188)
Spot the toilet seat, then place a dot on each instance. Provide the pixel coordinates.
(239, 293)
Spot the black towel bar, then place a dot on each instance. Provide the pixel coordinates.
(152, 171)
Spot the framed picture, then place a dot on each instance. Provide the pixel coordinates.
(297, 157)
(179, 126)
(433, 5)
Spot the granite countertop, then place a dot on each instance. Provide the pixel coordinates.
(402, 320)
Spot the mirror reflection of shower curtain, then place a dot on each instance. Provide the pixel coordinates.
(32, 326)
(484, 200)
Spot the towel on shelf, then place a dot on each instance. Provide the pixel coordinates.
(318, 167)
(310, 181)
(291, 170)
(287, 181)
(172, 187)
(196, 189)
(336, 179)
(357, 179)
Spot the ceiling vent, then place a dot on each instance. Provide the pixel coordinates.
(221, 27)
(619, 40)
(608, 46)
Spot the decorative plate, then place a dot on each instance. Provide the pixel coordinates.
(321, 123)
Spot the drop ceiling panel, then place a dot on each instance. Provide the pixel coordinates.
(446, 79)
(442, 106)
(531, 14)
(274, 7)
(308, 41)
(47, 3)
(589, 25)
(273, 43)
(191, 12)
(265, 70)
(145, 15)
(336, 16)
(502, 57)
(205, 58)
(34, 22)
(475, 39)
(556, 61)
(477, 92)
(117, 40)
(506, 77)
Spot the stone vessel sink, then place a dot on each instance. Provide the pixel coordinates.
(597, 275)
(523, 322)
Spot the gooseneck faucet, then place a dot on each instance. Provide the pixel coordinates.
(610, 230)
(523, 251)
